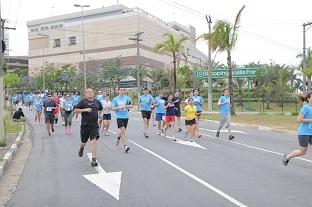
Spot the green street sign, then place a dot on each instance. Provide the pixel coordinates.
(223, 73)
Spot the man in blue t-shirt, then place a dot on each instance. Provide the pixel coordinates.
(121, 105)
(159, 104)
(224, 104)
(146, 102)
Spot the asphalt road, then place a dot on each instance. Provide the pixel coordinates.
(247, 171)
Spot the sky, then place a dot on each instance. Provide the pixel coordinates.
(270, 30)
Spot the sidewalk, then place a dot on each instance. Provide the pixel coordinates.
(9, 155)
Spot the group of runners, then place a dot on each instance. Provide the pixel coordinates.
(96, 114)
(165, 110)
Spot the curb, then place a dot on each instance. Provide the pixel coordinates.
(9, 155)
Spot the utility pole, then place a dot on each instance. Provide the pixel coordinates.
(1, 80)
(304, 61)
(1, 77)
(138, 40)
(83, 44)
(43, 66)
(208, 19)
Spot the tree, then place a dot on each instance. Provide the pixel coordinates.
(173, 46)
(11, 80)
(113, 73)
(223, 39)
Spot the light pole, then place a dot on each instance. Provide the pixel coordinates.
(304, 61)
(43, 70)
(138, 39)
(83, 45)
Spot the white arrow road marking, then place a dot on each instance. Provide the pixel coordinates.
(109, 182)
(204, 183)
(188, 143)
(213, 130)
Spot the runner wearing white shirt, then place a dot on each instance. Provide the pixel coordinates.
(107, 117)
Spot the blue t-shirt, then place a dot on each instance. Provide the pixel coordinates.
(306, 128)
(38, 103)
(198, 102)
(68, 105)
(225, 109)
(121, 101)
(75, 99)
(161, 107)
(146, 102)
(100, 98)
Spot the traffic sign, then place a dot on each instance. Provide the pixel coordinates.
(223, 73)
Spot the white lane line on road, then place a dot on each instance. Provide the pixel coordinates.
(224, 130)
(211, 187)
(179, 141)
(256, 148)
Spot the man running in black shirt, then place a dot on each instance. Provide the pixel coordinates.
(89, 129)
(49, 107)
(177, 108)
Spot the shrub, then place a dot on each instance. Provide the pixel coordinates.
(294, 113)
(3, 143)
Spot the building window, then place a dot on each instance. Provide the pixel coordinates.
(72, 40)
(52, 27)
(46, 28)
(57, 43)
(36, 29)
(42, 28)
(61, 26)
(56, 26)
(32, 30)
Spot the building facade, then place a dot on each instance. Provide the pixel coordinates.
(107, 34)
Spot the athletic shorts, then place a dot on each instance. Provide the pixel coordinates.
(38, 110)
(122, 123)
(198, 113)
(304, 140)
(225, 118)
(170, 119)
(177, 112)
(159, 116)
(49, 118)
(89, 132)
(146, 114)
(107, 117)
(190, 122)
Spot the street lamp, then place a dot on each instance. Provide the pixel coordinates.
(83, 44)
(43, 71)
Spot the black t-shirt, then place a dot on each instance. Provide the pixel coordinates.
(90, 118)
(48, 107)
(18, 114)
(177, 103)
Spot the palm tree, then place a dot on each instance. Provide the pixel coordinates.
(173, 46)
(223, 39)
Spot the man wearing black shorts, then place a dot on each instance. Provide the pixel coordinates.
(121, 105)
(49, 107)
(146, 101)
(89, 129)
